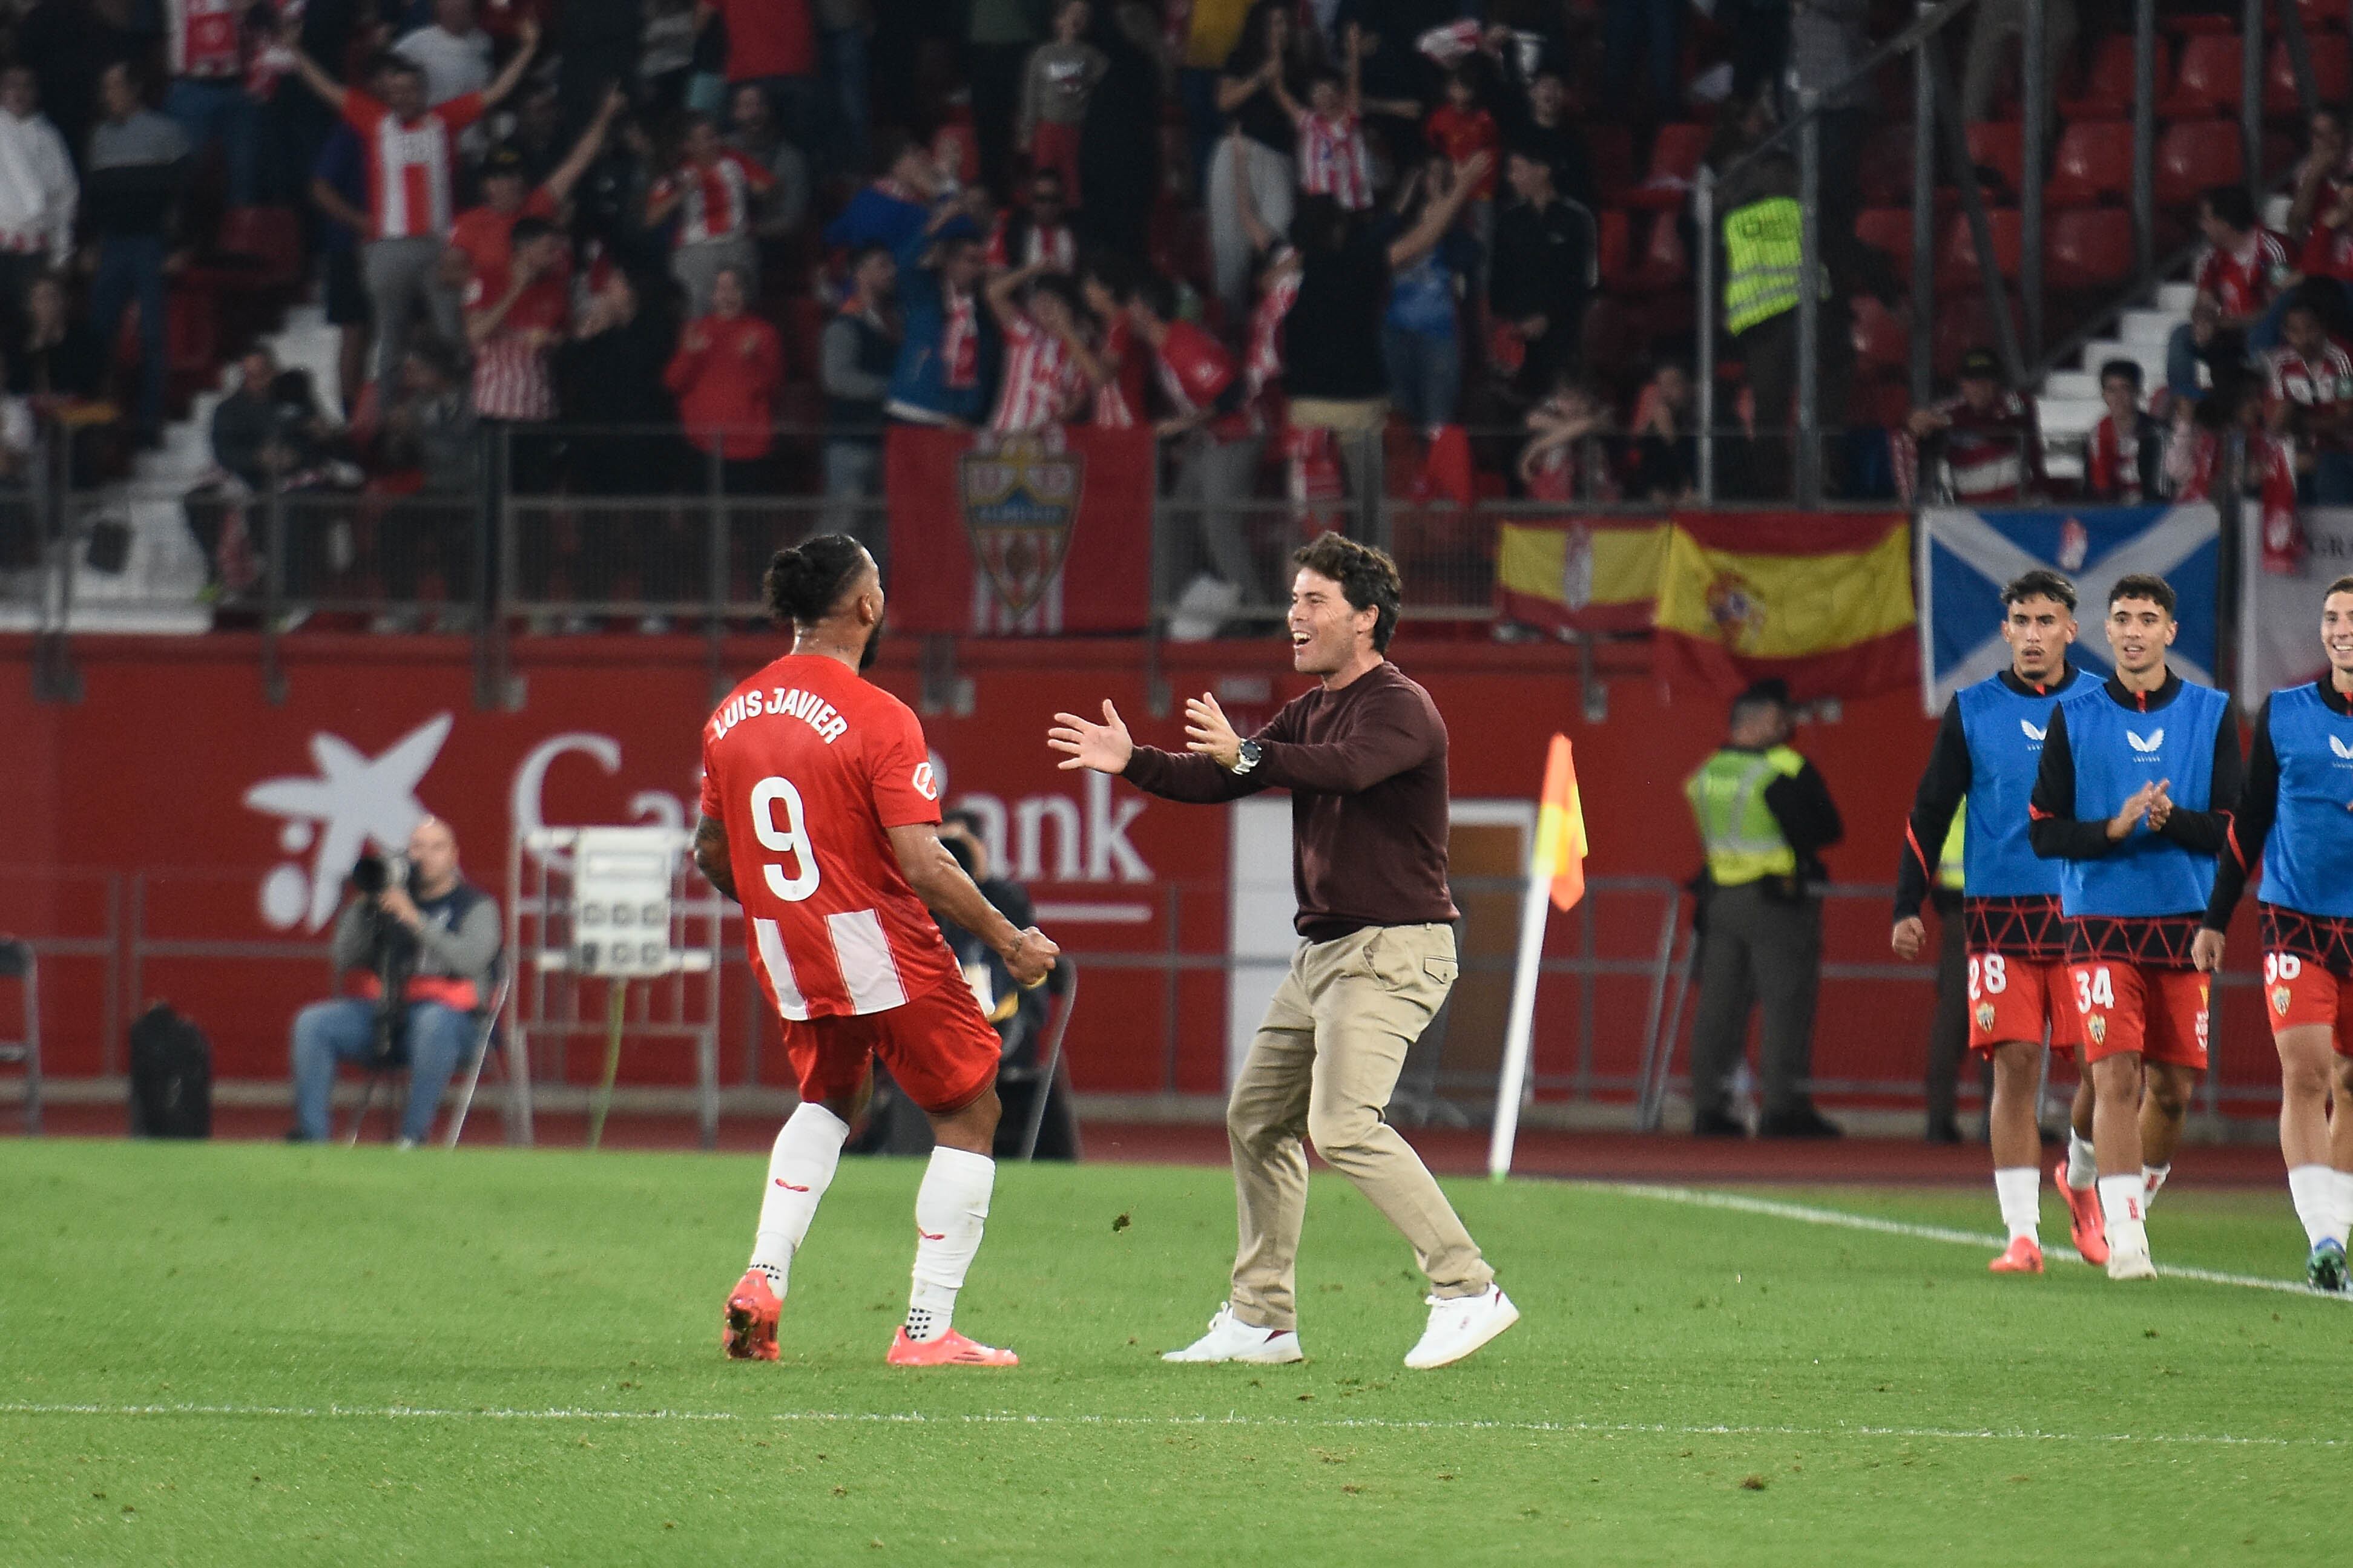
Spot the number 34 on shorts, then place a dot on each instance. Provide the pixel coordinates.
(2013, 999)
(2159, 1014)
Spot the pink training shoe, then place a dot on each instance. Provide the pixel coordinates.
(2021, 1257)
(750, 1331)
(2087, 1227)
(951, 1348)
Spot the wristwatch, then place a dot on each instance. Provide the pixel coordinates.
(1248, 759)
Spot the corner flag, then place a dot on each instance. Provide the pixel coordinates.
(1556, 881)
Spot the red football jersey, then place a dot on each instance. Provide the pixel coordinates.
(808, 766)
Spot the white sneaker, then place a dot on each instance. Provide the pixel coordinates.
(1230, 1339)
(2128, 1254)
(1459, 1325)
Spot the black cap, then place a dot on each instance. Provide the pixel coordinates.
(503, 160)
(1978, 365)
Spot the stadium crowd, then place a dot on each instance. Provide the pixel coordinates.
(1288, 236)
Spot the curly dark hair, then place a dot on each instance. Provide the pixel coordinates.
(804, 583)
(1368, 579)
(2143, 585)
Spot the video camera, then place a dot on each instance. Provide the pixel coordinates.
(392, 950)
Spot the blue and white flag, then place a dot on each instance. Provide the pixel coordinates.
(1967, 557)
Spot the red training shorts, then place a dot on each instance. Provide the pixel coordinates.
(2299, 992)
(2012, 999)
(2158, 1013)
(939, 1049)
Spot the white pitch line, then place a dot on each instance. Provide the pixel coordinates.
(1695, 1197)
(1014, 1418)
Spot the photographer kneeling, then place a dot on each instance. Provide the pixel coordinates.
(428, 938)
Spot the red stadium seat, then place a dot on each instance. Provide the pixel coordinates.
(2208, 80)
(1611, 148)
(1888, 229)
(1963, 322)
(1886, 174)
(1674, 163)
(2332, 72)
(1956, 257)
(2108, 86)
(270, 236)
(1666, 262)
(2088, 250)
(2193, 155)
(2323, 15)
(2094, 162)
(1882, 341)
(2200, 23)
(2000, 147)
(1615, 246)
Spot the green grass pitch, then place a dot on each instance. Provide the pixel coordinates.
(258, 1356)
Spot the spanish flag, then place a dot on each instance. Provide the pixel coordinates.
(1560, 830)
(1581, 574)
(1822, 600)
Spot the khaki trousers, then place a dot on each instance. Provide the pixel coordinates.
(1324, 1064)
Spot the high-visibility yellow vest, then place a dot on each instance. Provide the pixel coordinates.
(1764, 251)
(1743, 841)
(1948, 861)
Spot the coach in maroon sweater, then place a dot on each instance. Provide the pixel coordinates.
(1364, 755)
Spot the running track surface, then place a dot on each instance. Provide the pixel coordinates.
(1591, 1156)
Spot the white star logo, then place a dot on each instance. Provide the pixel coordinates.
(355, 800)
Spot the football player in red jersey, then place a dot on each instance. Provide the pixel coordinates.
(820, 815)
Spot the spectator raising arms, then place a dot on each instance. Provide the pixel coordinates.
(1038, 237)
(1332, 159)
(949, 357)
(485, 233)
(711, 193)
(1216, 443)
(411, 186)
(725, 374)
(1046, 378)
(1260, 156)
(1055, 87)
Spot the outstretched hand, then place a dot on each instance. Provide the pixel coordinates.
(1105, 747)
(1207, 733)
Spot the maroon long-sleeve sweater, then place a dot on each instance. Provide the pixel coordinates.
(1365, 766)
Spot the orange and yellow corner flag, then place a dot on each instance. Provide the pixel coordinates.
(1561, 828)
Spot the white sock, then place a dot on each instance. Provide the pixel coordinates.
(950, 1208)
(800, 1167)
(2152, 1177)
(2123, 1203)
(2083, 1165)
(2020, 1190)
(2340, 1219)
(2312, 1188)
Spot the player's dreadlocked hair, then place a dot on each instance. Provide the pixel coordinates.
(1368, 579)
(804, 583)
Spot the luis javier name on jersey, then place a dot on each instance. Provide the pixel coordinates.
(807, 707)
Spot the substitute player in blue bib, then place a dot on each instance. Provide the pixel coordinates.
(2138, 779)
(1987, 752)
(2296, 819)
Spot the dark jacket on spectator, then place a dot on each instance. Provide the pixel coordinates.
(73, 366)
(132, 177)
(615, 378)
(1544, 261)
(1332, 337)
(855, 359)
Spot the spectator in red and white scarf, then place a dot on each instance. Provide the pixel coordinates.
(1217, 446)
(2123, 457)
(712, 192)
(513, 334)
(1563, 461)
(1987, 436)
(1123, 362)
(947, 362)
(2320, 174)
(1045, 379)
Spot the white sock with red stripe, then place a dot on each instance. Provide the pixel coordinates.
(2123, 1203)
(2020, 1190)
(800, 1167)
(2313, 1189)
(2152, 1177)
(951, 1206)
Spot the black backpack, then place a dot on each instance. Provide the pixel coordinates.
(171, 1077)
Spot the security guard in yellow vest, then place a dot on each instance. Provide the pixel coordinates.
(1764, 256)
(1948, 1030)
(1764, 815)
